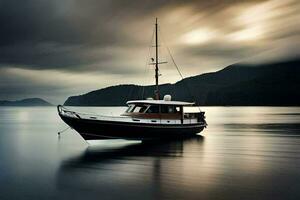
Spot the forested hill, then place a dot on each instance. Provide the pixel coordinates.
(276, 84)
(26, 102)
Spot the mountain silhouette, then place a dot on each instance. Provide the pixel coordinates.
(26, 102)
(272, 84)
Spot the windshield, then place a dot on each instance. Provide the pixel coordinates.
(130, 108)
(137, 108)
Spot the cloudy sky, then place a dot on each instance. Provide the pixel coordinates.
(57, 48)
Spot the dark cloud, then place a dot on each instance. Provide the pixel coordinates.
(50, 56)
(42, 21)
(210, 50)
(58, 33)
(110, 37)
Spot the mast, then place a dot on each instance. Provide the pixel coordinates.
(156, 61)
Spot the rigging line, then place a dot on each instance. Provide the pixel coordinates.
(146, 72)
(177, 68)
(60, 132)
(179, 72)
(172, 58)
(129, 91)
(146, 66)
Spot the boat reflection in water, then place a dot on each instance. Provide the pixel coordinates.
(132, 171)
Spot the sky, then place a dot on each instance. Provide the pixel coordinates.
(59, 48)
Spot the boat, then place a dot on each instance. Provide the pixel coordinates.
(146, 119)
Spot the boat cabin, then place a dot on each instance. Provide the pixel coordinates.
(164, 110)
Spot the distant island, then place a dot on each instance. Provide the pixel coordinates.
(273, 84)
(26, 102)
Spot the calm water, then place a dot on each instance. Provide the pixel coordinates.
(245, 153)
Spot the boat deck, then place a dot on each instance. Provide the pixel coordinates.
(65, 112)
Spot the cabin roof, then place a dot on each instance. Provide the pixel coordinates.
(161, 102)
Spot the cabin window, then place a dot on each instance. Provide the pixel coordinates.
(168, 109)
(189, 115)
(153, 109)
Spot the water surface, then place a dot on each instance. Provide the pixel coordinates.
(245, 153)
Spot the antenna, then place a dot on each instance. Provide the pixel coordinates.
(156, 61)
